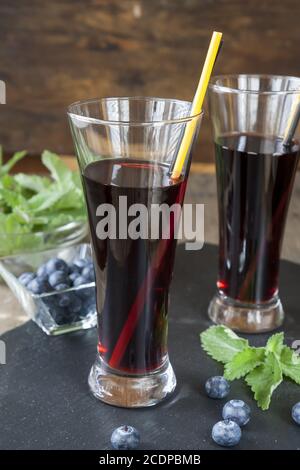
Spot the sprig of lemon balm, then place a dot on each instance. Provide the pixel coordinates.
(263, 368)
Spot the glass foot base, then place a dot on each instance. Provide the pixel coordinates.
(131, 391)
(246, 318)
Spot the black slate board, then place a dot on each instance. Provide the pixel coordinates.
(45, 402)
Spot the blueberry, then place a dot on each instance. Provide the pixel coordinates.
(60, 316)
(25, 278)
(79, 281)
(61, 286)
(236, 410)
(89, 299)
(125, 438)
(56, 264)
(38, 286)
(217, 387)
(75, 305)
(87, 293)
(64, 300)
(226, 433)
(296, 412)
(50, 302)
(74, 275)
(73, 268)
(88, 303)
(81, 262)
(58, 277)
(86, 310)
(88, 273)
(42, 271)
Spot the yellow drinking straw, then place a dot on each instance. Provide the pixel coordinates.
(196, 107)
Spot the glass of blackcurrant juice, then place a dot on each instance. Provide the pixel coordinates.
(255, 168)
(126, 148)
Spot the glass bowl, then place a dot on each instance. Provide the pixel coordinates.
(68, 234)
(44, 309)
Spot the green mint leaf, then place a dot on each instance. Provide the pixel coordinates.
(10, 225)
(14, 159)
(8, 182)
(275, 344)
(290, 364)
(57, 219)
(59, 171)
(31, 203)
(43, 200)
(221, 343)
(71, 198)
(34, 183)
(12, 198)
(57, 198)
(243, 362)
(25, 217)
(264, 379)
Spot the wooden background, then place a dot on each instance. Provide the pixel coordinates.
(55, 52)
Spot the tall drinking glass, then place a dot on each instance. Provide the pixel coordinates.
(255, 176)
(126, 148)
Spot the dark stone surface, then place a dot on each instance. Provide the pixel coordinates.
(45, 402)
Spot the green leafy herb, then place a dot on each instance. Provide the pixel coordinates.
(33, 204)
(290, 364)
(263, 368)
(264, 379)
(243, 362)
(34, 183)
(59, 171)
(222, 344)
(4, 169)
(275, 344)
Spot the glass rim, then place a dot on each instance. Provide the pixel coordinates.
(227, 89)
(93, 120)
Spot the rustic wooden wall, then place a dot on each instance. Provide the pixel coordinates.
(55, 52)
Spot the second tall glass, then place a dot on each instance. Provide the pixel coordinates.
(126, 148)
(255, 176)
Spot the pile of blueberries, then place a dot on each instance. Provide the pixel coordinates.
(235, 413)
(57, 276)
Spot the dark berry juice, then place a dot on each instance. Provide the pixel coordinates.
(255, 178)
(132, 275)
